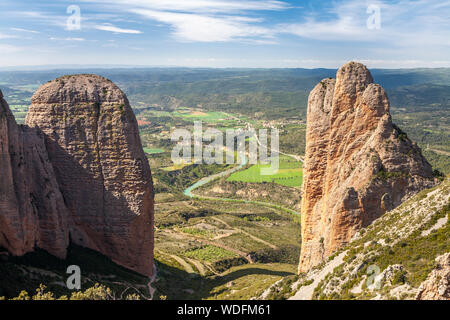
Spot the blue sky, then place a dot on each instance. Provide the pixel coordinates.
(226, 33)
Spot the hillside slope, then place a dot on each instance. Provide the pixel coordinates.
(402, 255)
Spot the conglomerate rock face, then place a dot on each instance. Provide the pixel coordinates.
(89, 138)
(32, 210)
(437, 285)
(358, 164)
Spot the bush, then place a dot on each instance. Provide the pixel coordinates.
(97, 292)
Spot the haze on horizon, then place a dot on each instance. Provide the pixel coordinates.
(219, 34)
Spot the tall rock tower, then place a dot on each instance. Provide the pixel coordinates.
(93, 144)
(358, 164)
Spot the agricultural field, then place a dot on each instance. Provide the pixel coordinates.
(293, 138)
(153, 150)
(197, 115)
(202, 246)
(19, 112)
(237, 283)
(289, 174)
(190, 115)
(209, 253)
(242, 234)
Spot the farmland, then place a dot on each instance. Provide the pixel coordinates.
(210, 248)
(289, 174)
(153, 150)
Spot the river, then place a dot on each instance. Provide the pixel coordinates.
(188, 191)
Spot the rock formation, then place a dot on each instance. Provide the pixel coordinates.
(32, 210)
(358, 164)
(84, 132)
(437, 285)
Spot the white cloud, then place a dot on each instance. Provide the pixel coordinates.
(48, 19)
(24, 30)
(68, 39)
(403, 23)
(6, 36)
(345, 21)
(111, 28)
(206, 28)
(205, 20)
(199, 6)
(344, 28)
(190, 20)
(6, 48)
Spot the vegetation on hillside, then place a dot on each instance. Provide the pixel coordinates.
(204, 246)
(406, 237)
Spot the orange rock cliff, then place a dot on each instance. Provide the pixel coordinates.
(358, 164)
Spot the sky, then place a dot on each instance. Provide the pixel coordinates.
(225, 33)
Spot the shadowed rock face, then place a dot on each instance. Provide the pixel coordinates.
(89, 136)
(358, 164)
(32, 210)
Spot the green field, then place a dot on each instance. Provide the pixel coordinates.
(19, 112)
(200, 115)
(289, 174)
(176, 167)
(153, 150)
(209, 253)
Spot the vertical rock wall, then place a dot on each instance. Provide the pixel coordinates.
(77, 171)
(358, 164)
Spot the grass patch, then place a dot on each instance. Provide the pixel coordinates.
(385, 175)
(417, 253)
(290, 174)
(153, 150)
(176, 167)
(200, 115)
(209, 253)
(198, 232)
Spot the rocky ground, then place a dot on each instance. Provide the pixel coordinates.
(402, 255)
